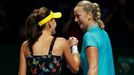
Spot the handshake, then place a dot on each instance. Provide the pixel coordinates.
(73, 42)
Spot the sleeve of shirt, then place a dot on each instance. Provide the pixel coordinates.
(89, 40)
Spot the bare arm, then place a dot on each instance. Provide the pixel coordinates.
(22, 64)
(92, 56)
(73, 60)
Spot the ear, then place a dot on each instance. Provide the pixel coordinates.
(49, 24)
(89, 15)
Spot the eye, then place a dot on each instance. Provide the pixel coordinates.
(77, 15)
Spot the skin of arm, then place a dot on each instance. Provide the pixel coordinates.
(73, 60)
(22, 64)
(92, 57)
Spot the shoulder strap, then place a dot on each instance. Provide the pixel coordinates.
(51, 45)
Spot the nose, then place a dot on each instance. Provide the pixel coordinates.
(54, 21)
(76, 19)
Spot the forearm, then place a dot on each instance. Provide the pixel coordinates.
(76, 64)
(76, 55)
(77, 59)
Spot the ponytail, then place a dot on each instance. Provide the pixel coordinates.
(33, 31)
(100, 23)
(97, 15)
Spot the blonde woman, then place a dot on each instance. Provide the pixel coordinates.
(96, 54)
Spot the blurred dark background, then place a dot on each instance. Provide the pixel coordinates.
(118, 16)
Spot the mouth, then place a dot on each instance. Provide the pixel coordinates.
(79, 23)
(81, 26)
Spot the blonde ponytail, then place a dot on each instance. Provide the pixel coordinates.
(100, 23)
(98, 15)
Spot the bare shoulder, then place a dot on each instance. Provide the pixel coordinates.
(61, 40)
(24, 46)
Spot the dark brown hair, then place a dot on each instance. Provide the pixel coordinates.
(32, 30)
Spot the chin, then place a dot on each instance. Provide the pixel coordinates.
(54, 32)
(81, 26)
(84, 30)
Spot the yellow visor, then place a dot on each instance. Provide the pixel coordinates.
(49, 17)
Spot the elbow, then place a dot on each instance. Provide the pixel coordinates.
(93, 70)
(75, 69)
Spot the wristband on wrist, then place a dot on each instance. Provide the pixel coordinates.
(75, 49)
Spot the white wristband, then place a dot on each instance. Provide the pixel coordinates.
(75, 49)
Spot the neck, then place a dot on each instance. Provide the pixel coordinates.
(91, 23)
(46, 33)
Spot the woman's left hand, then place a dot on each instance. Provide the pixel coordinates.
(72, 41)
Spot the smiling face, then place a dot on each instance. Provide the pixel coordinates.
(81, 17)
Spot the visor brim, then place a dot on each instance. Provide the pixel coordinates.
(57, 15)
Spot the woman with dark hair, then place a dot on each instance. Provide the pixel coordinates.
(42, 53)
(96, 54)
